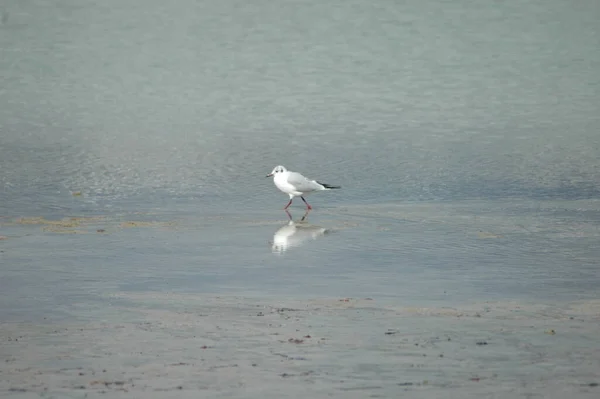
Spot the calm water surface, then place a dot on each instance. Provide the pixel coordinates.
(465, 136)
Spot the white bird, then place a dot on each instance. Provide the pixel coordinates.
(296, 185)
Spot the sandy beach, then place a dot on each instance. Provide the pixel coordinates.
(189, 346)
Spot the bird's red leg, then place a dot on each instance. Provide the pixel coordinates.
(288, 205)
(307, 204)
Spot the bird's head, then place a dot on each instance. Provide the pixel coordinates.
(277, 169)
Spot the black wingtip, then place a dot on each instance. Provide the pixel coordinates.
(330, 186)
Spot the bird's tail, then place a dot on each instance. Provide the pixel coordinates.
(329, 187)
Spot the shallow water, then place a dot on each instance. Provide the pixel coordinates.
(135, 137)
(414, 253)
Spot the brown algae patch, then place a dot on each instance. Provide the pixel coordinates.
(69, 222)
(82, 225)
(131, 224)
(62, 230)
(68, 225)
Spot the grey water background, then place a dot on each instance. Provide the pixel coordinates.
(440, 120)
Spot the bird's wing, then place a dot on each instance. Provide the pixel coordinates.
(301, 183)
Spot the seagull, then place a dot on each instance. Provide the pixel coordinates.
(296, 185)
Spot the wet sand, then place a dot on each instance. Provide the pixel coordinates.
(166, 345)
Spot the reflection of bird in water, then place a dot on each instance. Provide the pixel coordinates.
(294, 234)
